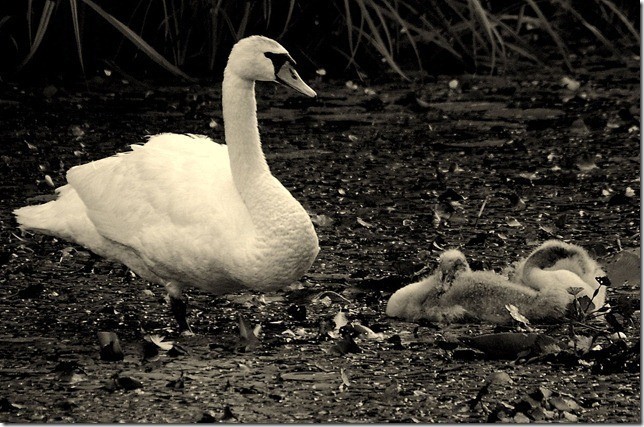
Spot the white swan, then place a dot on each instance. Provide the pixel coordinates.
(456, 293)
(559, 265)
(183, 210)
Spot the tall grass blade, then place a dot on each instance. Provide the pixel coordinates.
(434, 36)
(392, 12)
(456, 29)
(214, 31)
(622, 18)
(349, 25)
(4, 20)
(231, 27)
(267, 9)
(79, 48)
(289, 15)
(30, 12)
(481, 15)
(383, 25)
(523, 52)
(241, 30)
(353, 47)
(553, 34)
(47, 10)
(589, 26)
(521, 47)
(377, 42)
(136, 40)
(445, 42)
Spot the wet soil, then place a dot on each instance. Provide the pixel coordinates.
(391, 174)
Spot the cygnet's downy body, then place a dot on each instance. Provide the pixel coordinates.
(414, 302)
(456, 293)
(556, 265)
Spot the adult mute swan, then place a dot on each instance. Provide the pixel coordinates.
(456, 293)
(559, 265)
(183, 210)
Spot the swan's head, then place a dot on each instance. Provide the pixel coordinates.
(263, 59)
(450, 264)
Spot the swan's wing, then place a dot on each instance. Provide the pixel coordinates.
(173, 192)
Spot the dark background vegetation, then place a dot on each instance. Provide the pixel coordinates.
(50, 38)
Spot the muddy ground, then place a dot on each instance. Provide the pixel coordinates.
(392, 173)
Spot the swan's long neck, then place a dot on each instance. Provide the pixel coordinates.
(247, 160)
(282, 234)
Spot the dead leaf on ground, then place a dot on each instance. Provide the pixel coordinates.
(624, 267)
(508, 345)
(248, 340)
(516, 315)
(158, 341)
(110, 346)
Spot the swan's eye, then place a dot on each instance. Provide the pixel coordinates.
(278, 59)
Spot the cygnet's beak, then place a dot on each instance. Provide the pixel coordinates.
(288, 76)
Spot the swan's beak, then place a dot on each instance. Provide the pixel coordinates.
(288, 76)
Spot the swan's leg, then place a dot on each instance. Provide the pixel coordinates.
(179, 307)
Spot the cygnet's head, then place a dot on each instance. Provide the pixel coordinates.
(450, 264)
(258, 58)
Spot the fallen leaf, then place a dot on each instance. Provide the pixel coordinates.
(7, 406)
(582, 343)
(364, 223)
(158, 341)
(248, 340)
(570, 417)
(570, 84)
(321, 220)
(345, 378)
(514, 312)
(110, 346)
(344, 346)
(177, 350)
(340, 320)
(126, 383)
(365, 332)
(521, 418)
(624, 267)
(512, 222)
(177, 384)
(507, 345)
(309, 376)
(498, 378)
(207, 417)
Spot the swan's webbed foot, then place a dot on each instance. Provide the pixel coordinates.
(179, 308)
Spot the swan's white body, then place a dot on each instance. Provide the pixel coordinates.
(456, 293)
(559, 265)
(183, 210)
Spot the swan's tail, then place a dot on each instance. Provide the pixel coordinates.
(55, 218)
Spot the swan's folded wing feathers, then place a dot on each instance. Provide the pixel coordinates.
(161, 196)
